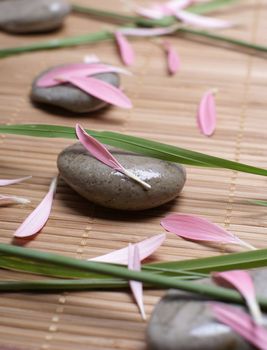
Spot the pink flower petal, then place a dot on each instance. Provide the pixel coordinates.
(154, 12)
(241, 323)
(206, 116)
(198, 229)
(101, 153)
(146, 248)
(102, 90)
(60, 75)
(143, 32)
(201, 21)
(9, 200)
(38, 218)
(92, 58)
(126, 50)
(136, 287)
(242, 281)
(7, 182)
(157, 11)
(172, 57)
(178, 5)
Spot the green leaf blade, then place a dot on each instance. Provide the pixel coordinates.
(135, 144)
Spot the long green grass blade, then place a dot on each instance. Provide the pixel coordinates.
(56, 285)
(258, 202)
(184, 268)
(208, 291)
(30, 266)
(58, 43)
(223, 38)
(211, 6)
(237, 261)
(62, 285)
(135, 144)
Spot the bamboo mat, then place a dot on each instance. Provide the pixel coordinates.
(164, 110)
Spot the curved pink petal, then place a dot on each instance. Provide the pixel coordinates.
(202, 21)
(60, 75)
(206, 116)
(146, 248)
(143, 32)
(9, 200)
(101, 153)
(91, 58)
(157, 11)
(198, 229)
(7, 182)
(38, 218)
(172, 57)
(153, 12)
(178, 5)
(242, 281)
(241, 323)
(102, 90)
(136, 287)
(96, 148)
(126, 50)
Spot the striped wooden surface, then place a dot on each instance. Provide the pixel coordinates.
(164, 110)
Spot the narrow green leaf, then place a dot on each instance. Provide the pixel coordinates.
(135, 144)
(223, 38)
(56, 285)
(58, 43)
(192, 267)
(211, 6)
(208, 291)
(31, 266)
(62, 285)
(257, 202)
(237, 261)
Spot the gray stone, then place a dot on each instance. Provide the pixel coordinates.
(182, 321)
(70, 97)
(29, 16)
(102, 185)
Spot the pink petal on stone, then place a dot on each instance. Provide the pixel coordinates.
(206, 115)
(101, 153)
(242, 281)
(38, 218)
(61, 75)
(136, 287)
(241, 323)
(102, 90)
(146, 248)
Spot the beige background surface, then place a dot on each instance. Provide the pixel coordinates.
(164, 110)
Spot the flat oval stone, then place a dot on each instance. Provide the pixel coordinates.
(70, 97)
(29, 16)
(107, 187)
(183, 321)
